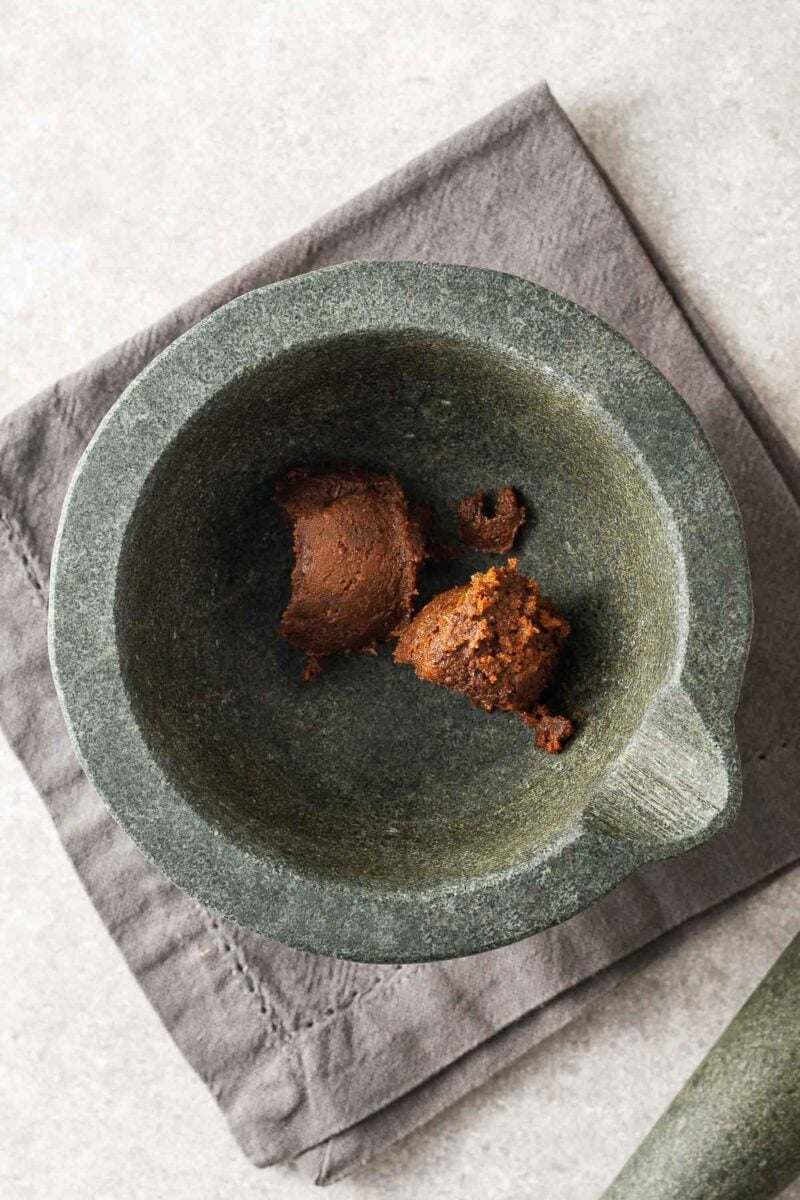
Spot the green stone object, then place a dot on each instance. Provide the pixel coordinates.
(733, 1131)
(369, 815)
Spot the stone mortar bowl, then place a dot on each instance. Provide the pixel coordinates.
(369, 815)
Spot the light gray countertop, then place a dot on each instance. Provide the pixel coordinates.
(147, 149)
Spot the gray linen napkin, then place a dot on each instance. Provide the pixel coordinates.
(325, 1061)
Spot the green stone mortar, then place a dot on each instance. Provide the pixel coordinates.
(733, 1131)
(370, 815)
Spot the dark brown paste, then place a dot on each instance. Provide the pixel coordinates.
(358, 549)
(493, 534)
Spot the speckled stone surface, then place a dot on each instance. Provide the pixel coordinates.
(733, 1132)
(332, 817)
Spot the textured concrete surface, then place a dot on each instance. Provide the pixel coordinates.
(147, 149)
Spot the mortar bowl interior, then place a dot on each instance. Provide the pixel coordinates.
(367, 813)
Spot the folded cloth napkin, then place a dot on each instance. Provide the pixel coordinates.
(328, 1062)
